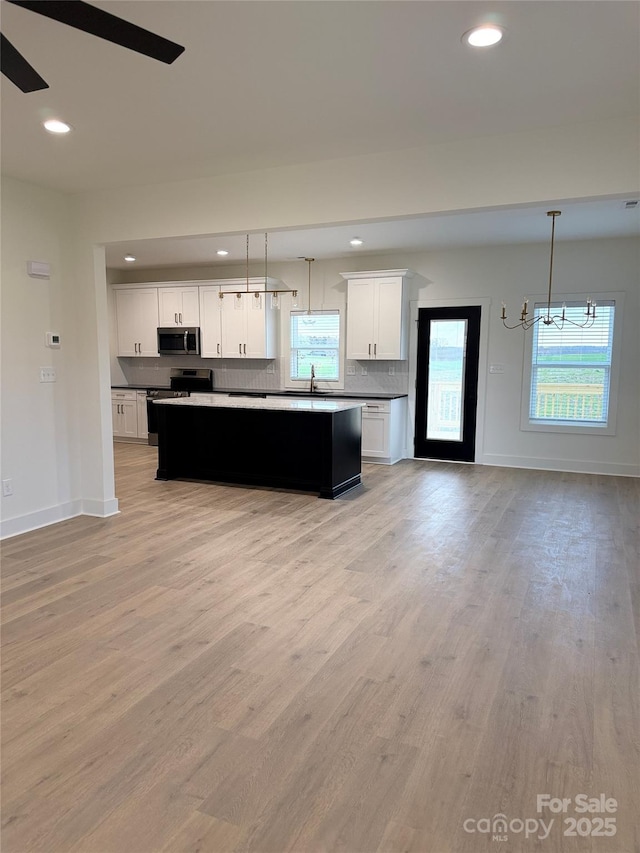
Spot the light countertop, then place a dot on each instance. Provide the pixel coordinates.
(215, 401)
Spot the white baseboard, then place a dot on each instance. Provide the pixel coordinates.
(100, 509)
(54, 514)
(573, 466)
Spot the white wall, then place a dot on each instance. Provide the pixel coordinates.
(38, 420)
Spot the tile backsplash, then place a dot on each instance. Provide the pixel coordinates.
(267, 374)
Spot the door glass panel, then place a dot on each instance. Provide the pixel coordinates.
(445, 393)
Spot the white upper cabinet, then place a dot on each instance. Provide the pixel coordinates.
(232, 327)
(248, 324)
(210, 322)
(137, 321)
(377, 313)
(179, 306)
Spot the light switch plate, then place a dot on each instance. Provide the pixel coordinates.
(47, 374)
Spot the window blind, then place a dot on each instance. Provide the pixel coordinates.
(315, 340)
(571, 367)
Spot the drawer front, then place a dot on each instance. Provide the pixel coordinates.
(373, 407)
(124, 395)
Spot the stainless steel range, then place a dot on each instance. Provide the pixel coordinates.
(182, 382)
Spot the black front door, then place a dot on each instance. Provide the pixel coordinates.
(447, 383)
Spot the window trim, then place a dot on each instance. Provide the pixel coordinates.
(321, 385)
(591, 429)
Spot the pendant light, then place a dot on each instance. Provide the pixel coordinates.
(558, 320)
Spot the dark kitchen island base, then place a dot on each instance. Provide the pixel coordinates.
(311, 451)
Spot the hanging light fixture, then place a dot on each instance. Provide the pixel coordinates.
(309, 262)
(548, 318)
(275, 303)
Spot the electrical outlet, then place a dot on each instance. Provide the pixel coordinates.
(271, 368)
(47, 374)
(363, 370)
(7, 488)
(351, 370)
(392, 370)
(496, 368)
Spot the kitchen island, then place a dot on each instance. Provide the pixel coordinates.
(309, 445)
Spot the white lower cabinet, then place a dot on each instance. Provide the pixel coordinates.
(383, 429)
(375, 433)
(141, 404)
(129, 414)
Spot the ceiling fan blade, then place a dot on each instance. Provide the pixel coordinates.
(14, 66)
(90, 19)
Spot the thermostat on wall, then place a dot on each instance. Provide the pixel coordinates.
(53, 340)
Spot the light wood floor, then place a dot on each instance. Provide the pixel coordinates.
(227, 669)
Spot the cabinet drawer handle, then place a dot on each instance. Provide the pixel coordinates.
(369, 349)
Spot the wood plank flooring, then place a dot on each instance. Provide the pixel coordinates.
(227, 669)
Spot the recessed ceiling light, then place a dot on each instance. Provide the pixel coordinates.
(129, 259)
(356, 241)
(54, 125)
(222, 252)
(483, 36)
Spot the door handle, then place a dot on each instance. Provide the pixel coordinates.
(245, 349)
(175, 317)
(369, 349)
(218, 345)
(375, 349)
(186, 344)
(135, 348)
(180, 315)
(240, 349)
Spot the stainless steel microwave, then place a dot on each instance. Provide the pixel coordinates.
(179, 341)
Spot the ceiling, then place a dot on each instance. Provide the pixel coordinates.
(579, 221)
(269, 83)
